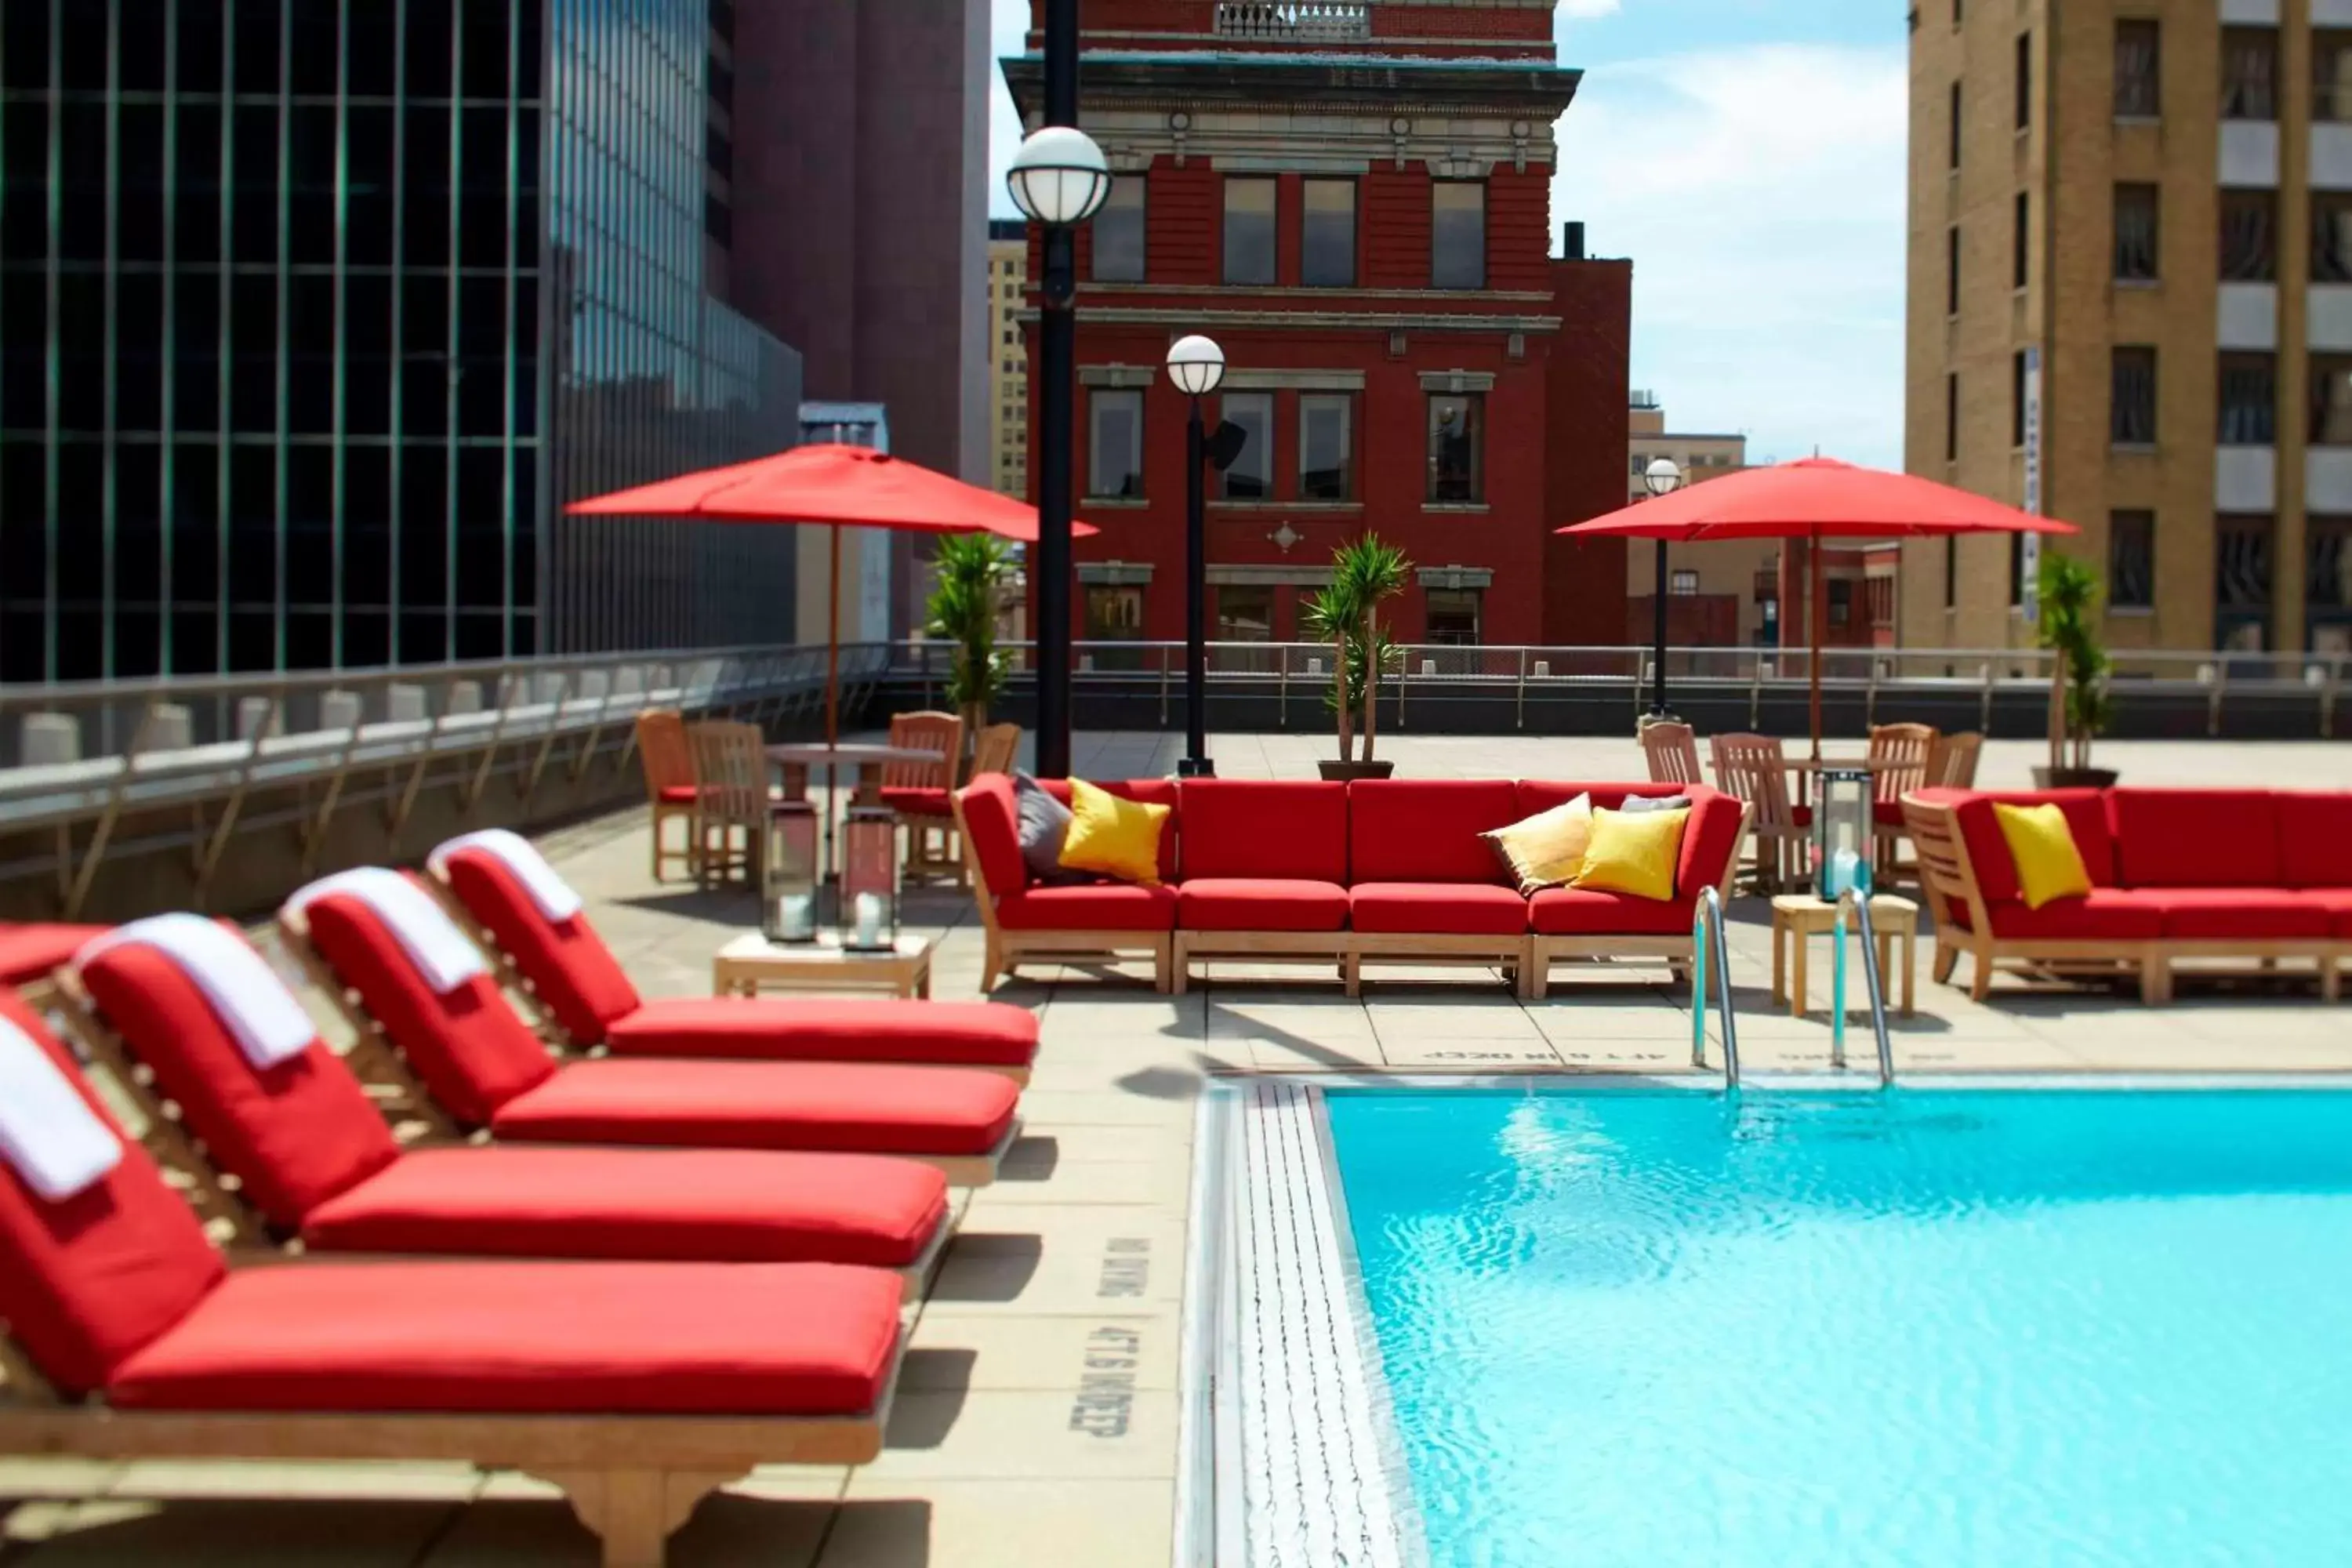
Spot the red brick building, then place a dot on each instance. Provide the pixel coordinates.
(1351, 196)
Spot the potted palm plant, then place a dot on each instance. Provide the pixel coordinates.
(1365, 572)
(2068, 591)
(966, 603)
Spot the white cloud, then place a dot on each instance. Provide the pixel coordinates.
(1760, 194)
(1588, 8)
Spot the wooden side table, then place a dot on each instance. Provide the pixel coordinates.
(1797, 917)
(752, 964)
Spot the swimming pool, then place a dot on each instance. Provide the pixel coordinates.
(1937, 1328)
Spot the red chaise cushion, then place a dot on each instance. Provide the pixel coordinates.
(817, 1028)
(808, 1338)
(2314, 838)
(1108, 906)
(1426, 830)
(574, 975)
(719, 1205)
(1589, 911)
(2196, 837)
(2238, 914)
(856, 1107)
(1439, 908)
(87, 1281)
(1252, 829)
(294, 1135)
(30, 952)
(1259, 903)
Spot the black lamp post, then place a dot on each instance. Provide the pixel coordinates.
(1058, 179)
(1661, 478)
(1196, 365)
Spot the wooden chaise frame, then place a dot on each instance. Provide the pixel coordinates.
(1949, 878)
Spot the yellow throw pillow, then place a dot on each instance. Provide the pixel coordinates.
(1546, 849)
(1111, 836)
(1633, 853)
(2049, 865)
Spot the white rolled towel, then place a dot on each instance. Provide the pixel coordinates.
(246, 995)
(445, 956)
(550, 893)
(48, 1133)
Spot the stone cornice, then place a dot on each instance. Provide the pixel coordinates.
(1378, 85)
(1345, 321)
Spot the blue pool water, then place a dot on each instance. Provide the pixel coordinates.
(1976, 1326)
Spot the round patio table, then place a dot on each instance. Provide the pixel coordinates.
(796, 758)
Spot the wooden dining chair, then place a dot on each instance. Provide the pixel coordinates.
(1672, 752)
(995, 750)
(1953, 765)
(670, 791)
(1754, 768)
(731, 767)
(1900, 756)
(918, 792)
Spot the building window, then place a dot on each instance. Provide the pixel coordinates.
(2020, 229)
(2250, 73)
(2024, 80)
(1952, 270)
(1117, 232)
(1454, 616)
(1457, 235)
(2131, 398)
(1951, 570)
(2135, 234)
(2249, 236)
(1115, 443)
(1250, 477)
(1840, 601)
(1952, 158)
(1244, 612)
(2331, 64)
(1951, 416)
(2331, 236)
(1249, 229)
(2327, 563)
(2131, 560)
(2331, 400)
(1114, 615)
(2017, 398)
(1326, 451)
(2138, 61)
(2248, 399)
(1453, 438)
(1327, 256)
(2243, 549)
(2017, 571)
(1681, 584)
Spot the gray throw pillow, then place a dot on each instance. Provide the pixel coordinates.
(1635, 804)
(1044, 822)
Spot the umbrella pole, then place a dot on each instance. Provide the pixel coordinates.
(1819, 591)
(833, 648)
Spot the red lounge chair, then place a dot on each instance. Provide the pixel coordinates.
(576, 980)
(29, 955)
(637, 1387)
(496, 1074)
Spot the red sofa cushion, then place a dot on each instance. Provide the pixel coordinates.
(1104, 906)
(1260, 903)
(470, 1049)
(1426, 830)
(293, 1135)
(812, 1338)
(992, 829)
(859, 1106)
(1589, 911)
(2196, 837)
(2336, 901)
(910, 800)
(86, 1281)
(2314, 838)
(1296, 830)
(1995, 867)
(1149, 792)
(2104, 914)
(30, 952)
(567, 963)
(830, 1029)
(2238, 914)
(718, 1205)
(1711, 839)
(1443, 909)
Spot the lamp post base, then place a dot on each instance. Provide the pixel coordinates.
(1196, 768)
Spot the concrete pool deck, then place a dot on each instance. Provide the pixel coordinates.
(1038, 1418)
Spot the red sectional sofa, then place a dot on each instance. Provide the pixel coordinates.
(2246, 875)
(1335, 874)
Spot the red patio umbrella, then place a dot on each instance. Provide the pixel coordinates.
(1814, 499)
(834, 484)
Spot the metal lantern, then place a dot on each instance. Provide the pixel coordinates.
(869, 878)
(788, 881)
(1841, 832)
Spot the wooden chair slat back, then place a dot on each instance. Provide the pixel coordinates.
(1902, 749)
(994, 751)
(1955, 763)
(730, 765)
(929, 732)
(663, 749)
(1673, 754)
(1754, 768)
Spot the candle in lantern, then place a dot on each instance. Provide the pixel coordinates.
(869, 919)
(796, 917)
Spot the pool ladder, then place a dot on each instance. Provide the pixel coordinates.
(1857, 900)
(1706, 941)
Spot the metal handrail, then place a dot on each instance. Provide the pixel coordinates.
(1709, 919)
(1873, 983)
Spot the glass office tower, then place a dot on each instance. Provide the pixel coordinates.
(312, 313)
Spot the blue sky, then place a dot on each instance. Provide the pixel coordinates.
(1748, 155)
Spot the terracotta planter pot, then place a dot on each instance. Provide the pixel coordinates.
(1341, 772)
(2074, 778)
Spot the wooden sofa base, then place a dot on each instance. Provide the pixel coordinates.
(1673, 951)
(1315, 947)
(1507, 953)
(2152, 963)
(1008, 950)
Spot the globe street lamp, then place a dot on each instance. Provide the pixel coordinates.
(1058, 179)
(1662, 478)
(1196, 364)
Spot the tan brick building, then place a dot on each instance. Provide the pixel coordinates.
(1734, 579)
(1008, 358)
(2149, 203)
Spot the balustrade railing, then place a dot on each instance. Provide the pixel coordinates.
(1303, 21)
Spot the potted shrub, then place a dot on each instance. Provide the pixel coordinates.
(2068, 591)
(1364, 573)
(967, 594)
